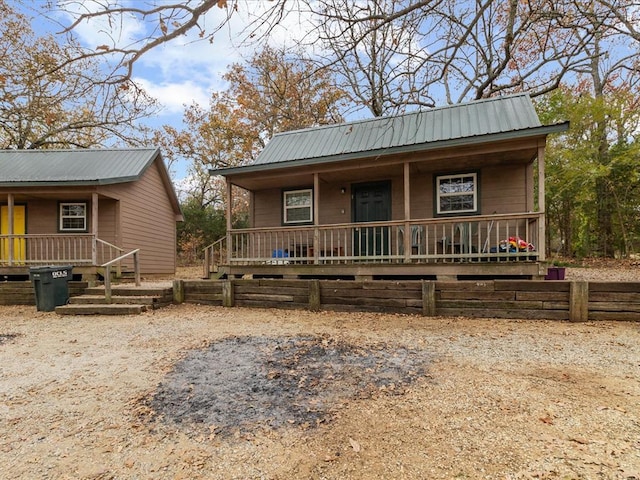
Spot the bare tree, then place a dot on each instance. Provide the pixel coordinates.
(376, 60)
(398, 52)
(42, 106)
(164, 22)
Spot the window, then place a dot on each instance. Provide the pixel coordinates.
(73, 217)
(298, 206)
(457, 193)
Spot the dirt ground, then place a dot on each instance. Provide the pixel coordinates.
(189, 392)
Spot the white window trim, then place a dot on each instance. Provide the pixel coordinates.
(285, 207)
(439, 195)
(62, 217)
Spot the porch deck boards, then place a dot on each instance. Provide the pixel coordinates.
(433, 271)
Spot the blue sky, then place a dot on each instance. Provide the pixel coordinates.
(187, 69)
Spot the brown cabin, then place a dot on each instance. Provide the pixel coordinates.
(441, 193)
(85, 208)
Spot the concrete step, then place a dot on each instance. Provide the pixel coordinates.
(107, 309)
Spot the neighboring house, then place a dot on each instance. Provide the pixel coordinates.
(86, 207)
(337, 201)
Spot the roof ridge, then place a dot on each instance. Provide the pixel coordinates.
(392, 117)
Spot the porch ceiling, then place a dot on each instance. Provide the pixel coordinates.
(388, 167)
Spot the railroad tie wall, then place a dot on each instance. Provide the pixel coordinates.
(22, 293)
(614, 301)
(549, 300)
(504, 299)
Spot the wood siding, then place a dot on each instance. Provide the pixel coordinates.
(147, 221)
(42, 216)
(267, 208)
(503, 189)
(107, 220)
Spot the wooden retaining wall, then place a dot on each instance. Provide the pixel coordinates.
(21, 293)
(529, 299)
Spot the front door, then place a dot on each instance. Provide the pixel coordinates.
(19, 228)
(371, 203)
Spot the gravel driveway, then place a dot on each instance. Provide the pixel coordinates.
(90, 397)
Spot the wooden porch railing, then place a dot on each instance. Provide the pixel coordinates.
(214, 255)
(499, 238)
(76, 249)
(116, 261)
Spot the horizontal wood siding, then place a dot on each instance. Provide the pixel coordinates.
(147, 221)
(545, 300)
(267, 208)
(503, 189)
(335, 206)
(107, 226)
(42, 217)
(421, 190)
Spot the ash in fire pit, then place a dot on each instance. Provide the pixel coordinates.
(242, 383)
(7, 337)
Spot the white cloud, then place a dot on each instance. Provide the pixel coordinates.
(174, 96)
(99, 31)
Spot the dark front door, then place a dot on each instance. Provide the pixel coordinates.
(371, 203)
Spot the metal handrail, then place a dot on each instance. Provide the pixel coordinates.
(107, 273)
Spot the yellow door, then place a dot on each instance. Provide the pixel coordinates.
(19, 228)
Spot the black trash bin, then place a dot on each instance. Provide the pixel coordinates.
(51, 286)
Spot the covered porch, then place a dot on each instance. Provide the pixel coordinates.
(491, 246)
(40, 211)
(448, 193)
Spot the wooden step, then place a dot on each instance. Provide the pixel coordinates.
(107, 309)
(128, 299)
(124, 291)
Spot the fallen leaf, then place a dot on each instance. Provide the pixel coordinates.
(548, 420)
(581, 441)
(355, 445)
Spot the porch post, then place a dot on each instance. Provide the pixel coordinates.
(229, 210)
(316, 213)
(542, 245)
(10, 202)
(407, 214)
(94, 228)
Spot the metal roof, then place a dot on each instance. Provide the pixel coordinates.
(499, 118)
(73, 167)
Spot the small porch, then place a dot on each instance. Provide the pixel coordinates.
(486, 246)
(85, 252)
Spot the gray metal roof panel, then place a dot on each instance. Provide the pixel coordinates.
(455, 142)
(73, 167)
(482, 117)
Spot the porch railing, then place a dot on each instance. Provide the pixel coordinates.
(116, 262)
(499, 238)
(76, 249)
(214, 255)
